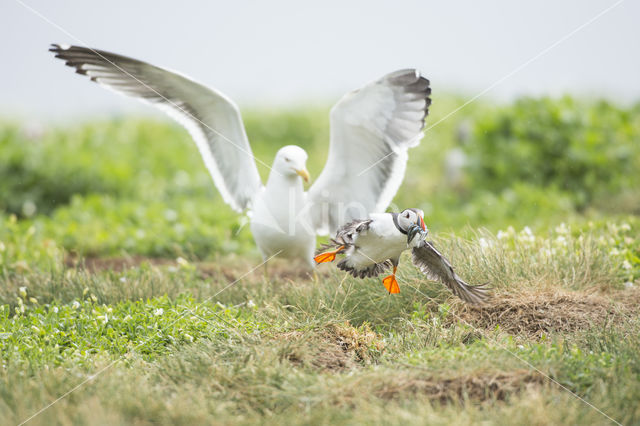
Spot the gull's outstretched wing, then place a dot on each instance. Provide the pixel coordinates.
(213, 121)
(371, 130)
(435, 266)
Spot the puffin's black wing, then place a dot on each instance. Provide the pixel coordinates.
(342, 241)
(435, 266)
(346, 234)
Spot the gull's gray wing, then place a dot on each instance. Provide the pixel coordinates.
(212, 119)
(436, 267)
(371, 130)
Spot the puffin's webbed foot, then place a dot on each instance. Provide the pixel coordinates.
(328, 256)
(390, 282)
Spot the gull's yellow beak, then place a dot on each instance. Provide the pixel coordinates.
(304, 174)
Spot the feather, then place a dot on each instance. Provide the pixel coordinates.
(211, 118)
(372, 128)
(436, 267)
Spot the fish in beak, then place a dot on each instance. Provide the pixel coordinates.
(412, 232)
(416, 229)
(304, 174)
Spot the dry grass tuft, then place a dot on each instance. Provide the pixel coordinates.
(337, 347)
(534, 314)
(483, 386)
(362, 342)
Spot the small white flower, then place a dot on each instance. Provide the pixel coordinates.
(561, 240)
(170, 215)
(55, 309)
(123, 279)
(520, 347)
(526, 236)
(75, 304)
(625, 227)
(188, 337)
(158, 312)
(502, 235)
(182, 261)
(562, 229)
(22, 291)
(251, 304)
(628, 285)
(626, 265)
(484, 243)
(614, 252)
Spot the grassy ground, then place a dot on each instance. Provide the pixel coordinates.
(130, 294)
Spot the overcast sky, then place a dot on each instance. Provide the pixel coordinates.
(285, 52)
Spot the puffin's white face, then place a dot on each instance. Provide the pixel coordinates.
(290, 161)
(411, 217)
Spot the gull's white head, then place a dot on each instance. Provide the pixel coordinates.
(291, 161)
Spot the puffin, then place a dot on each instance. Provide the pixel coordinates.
(373, 245)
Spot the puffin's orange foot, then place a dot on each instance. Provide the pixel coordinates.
(391, 284)
(328, 256)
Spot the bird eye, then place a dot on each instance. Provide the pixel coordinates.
(406, 215)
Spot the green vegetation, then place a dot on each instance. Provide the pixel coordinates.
(585, 151)
(126, 280)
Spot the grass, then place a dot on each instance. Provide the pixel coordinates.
(135, 288)
(290, 349)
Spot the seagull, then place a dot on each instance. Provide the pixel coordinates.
(371, 131)
(372, 245)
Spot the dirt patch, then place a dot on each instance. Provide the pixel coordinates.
(337, 347)
(535, 314)
(228, 269)
(629, 299)
(278, 270)
(478, 387)
(118, 264)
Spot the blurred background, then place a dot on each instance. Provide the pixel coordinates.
(535, 118)
(282, 52)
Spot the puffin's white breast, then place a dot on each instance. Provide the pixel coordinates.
(380, 242)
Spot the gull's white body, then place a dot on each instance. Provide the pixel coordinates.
(371, 130)
(276, 223)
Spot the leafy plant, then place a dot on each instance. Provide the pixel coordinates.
(584, 149)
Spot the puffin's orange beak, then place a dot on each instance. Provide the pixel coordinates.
(422, 225)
